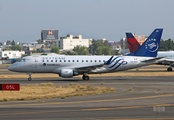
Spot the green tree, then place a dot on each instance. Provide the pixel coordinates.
(55, 49)
(81, 50)
(115, 52)
(8, 42)
(71, 53)
(6, 48)
(16, 47)
(99, 50)
(106, 50)
(100, 47)
(35, 51)
(13, 42)
(166, 45)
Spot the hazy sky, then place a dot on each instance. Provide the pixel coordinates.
(23, 20)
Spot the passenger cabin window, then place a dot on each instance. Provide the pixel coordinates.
(55, 60)
(64, 60)
(99, 60)
(72, 60)
(95, 60)
(103, 60)
(68, 60)
(91, 60)
(60, 61)
(86, 60)
(47, 60)
(42, 60)
(77, 60)
(51, 60)
(82, 60)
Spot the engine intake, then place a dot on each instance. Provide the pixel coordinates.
(67, 73)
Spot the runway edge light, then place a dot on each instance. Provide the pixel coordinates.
(10, 87)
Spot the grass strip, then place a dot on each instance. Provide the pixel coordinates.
(92, 75)
(48, 90)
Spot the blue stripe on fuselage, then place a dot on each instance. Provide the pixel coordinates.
(115, 63)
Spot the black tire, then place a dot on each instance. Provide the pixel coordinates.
(169, 69)
(29, 79)
(86, 78)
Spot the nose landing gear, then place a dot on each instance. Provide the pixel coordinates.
(29, 79)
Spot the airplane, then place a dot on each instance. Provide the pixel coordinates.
(168, 55)
(69, 66)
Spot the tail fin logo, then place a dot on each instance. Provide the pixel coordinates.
(152, 45)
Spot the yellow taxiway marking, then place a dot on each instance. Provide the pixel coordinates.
(24, 113)
(143, 119)
(51, 103)
(161, 105)
(41, 112)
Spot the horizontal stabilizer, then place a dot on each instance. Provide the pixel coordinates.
(154, 59)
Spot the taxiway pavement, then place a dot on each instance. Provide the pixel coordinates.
(136, 98)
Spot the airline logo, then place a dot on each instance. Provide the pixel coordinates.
(152, 45)
(116, 63)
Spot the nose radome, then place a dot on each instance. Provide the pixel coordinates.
(11, 67)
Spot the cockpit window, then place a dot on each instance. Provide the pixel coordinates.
(21, 60)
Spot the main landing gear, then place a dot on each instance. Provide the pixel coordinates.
(85, 77)
(169, 69)
(29, 79)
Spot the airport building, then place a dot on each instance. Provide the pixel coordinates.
(69, 42)
(49, 35)
(140, 39)
(124, 43)
(11, 54)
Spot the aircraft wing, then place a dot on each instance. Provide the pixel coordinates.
(92, 67)
(88, 68)
(160, 59)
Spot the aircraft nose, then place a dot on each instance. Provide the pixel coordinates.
(11, 68)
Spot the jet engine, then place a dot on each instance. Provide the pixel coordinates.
(67, 73)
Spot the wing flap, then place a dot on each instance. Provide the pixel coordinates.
(88, 68)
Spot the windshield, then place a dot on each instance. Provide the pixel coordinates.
(21, 60)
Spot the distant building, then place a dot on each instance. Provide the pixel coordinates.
(49, 35)
(140, 39)
(11, 54)
(114, 46)
(124, 43)
(69, 42)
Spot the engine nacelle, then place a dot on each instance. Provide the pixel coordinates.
(67, 73)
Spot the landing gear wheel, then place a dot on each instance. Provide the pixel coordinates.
(85, 77)
(29, 79)
(169, 69)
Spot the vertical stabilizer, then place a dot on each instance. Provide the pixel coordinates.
(150, 47)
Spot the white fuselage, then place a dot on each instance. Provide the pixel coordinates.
(55, 63)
